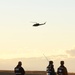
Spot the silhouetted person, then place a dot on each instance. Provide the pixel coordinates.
(62, 70)
(19, 69)
(50, 69)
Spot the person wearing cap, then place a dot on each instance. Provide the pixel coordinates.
(62, 70)
(50, 69)
(19, 69)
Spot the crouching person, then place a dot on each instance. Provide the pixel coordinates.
(19, 69)
(62, 70)
(50, 69)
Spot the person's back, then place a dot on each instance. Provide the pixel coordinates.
(19, 70)
(62, 70)
(50, 68)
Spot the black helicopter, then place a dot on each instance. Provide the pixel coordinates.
(38, 24)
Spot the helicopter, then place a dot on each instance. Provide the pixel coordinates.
(38, 24)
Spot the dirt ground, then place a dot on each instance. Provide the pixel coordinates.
(27, 73)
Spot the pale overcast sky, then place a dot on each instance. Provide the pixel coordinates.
(18, 38)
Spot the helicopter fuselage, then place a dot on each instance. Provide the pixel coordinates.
(38, 24)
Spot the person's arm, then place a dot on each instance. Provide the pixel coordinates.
(66, 72)
(23, 71)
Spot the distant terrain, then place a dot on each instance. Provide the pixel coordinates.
(6, 72)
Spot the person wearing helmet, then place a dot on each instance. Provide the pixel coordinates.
(62, 70)
(50, 69)
(19, 69)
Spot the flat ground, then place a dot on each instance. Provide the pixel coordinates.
(27, 73)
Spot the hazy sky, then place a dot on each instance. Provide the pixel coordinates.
(18, 38)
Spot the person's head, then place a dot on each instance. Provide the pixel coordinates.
(50, 62)
(19, 63)
(62, 63)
